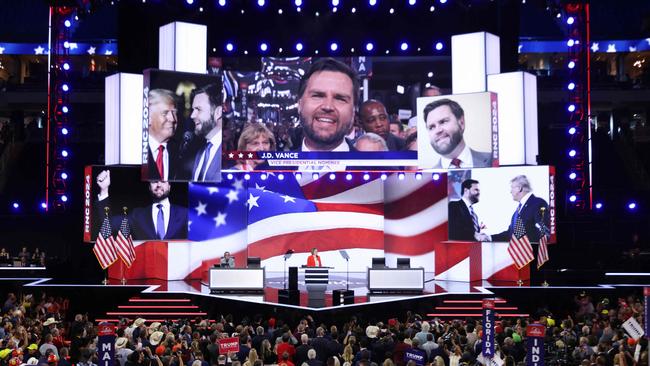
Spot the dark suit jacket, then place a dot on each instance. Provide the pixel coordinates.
(480, 159)
(395, 143)
(141, 221)
(213, 172)
(530, 215)
(461, 225)
(150, 170)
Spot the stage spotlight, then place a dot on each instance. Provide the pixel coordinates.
(280, 11)
(229, 176)
(570, 43)
(332, 176)
(418, 176)
(432, 8)
(631, 206)
(314, 176)
(64, 153)
(261, 3)
(443, 1)
(572, 131)
(412, 2)
(64, 175)
(222, 2)
(353, 10)
(366, 176)
(436, 176)
(65, 87)
(404, 46)
(247, 176)
(573, 198)
(298, 46)
(571, 86)
(599, 205)
(572, 153)
(334, 46)
(64, 131)
(298, 176)
(439, 46)
(400, 89)
(430, 74)
(571, 64)
(572, 176)
(280, 176)
(571, 108)
(400, 176)
(67, 23)
(570, 20)
(66, 66)
(372, 2)
(384, 176)
(64, 109)
(298, 2)
(230, 47)
(66, 44)
(16, 205)
(263, 176)
(64, 198)
(369, 46)
(189, 2)
(335, 2)
(334, 9)
(43, 205)
(348, 176)
(391, 11)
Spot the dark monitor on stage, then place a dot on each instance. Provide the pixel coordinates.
(403, 262)
(378, 262)
(253, 262)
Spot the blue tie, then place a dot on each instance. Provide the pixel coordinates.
(160, 222)
(515, 217)
(204, 166)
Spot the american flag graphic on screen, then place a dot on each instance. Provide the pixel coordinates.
(519, 247)
(104, 248)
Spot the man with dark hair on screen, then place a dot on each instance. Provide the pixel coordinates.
(445, 123)
(532, 210)
(162, 148)
(374, 118)
(327, 95)
(463, 221)
(160, 220)
(203, 159)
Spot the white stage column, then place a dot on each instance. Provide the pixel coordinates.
(473, 57)
(123, 119)
(517, 98)
(183, 47)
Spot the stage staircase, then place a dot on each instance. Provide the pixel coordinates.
(155, 307)
(465, 308)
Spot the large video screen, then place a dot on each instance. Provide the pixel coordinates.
(486, 204)
(154, 210)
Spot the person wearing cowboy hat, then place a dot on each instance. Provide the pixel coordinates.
(121, 350)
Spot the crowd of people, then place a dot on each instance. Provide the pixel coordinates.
(39, 331)
(24, 258)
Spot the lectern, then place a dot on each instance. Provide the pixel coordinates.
(316, 280)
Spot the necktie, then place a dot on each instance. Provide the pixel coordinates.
(204, 166)
(159, 162)
(160, 222)
(474, 220)
(455, 163)
(516, 216)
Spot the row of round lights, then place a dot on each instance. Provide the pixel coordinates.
(334, 47)
(334, 3)
(333, 176)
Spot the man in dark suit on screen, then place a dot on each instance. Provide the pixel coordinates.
(532, 210)
(162, 148)
(161, 220)
(445, 123)
(463, 222)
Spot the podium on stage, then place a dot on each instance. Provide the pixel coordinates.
(316, 280)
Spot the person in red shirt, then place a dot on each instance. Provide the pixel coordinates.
(286, 347)
(314, 259)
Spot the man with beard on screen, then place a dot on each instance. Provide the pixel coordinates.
(159, 220)
(445, 123)
(463, 222)
(202, 156)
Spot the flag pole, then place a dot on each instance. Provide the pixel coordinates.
(124, 210)
(105, 281)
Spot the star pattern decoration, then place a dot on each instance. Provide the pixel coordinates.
(261, 188)
(232, 196)
(250, 155)
(213, 190)
(252, 201)
(240, 155)
(200, 209)
(611, 48)
(594, 47)
(189, 225)
(289, 199)
(108, 52)
(39, 50)
(2, 50)
(73, 45)
(648, 40)
(220, 219)
(231, 155)
(519, 48)
(238, 184)
(91, 50)
(632, 49)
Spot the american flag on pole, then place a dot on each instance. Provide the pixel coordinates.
(104, 248)
(519, 247)
(542, 251)
(124, 243)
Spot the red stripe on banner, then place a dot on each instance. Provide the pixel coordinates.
(377, 208)
(152, 263)
(331, 239)
(417, 244)
(449, 254)
(421, 199)
(323, 188)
